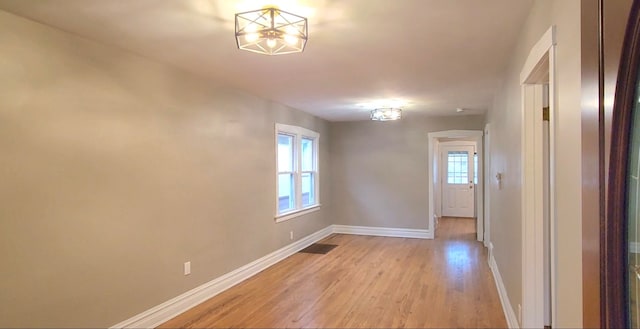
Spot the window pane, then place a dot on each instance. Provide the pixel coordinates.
(308, 189)
(307, 154)
(475, 168)
(285, 153)
(457, 167)
(286, 200)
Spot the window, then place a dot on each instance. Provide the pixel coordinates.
(297, 171)
(475, 168)
(457, 167)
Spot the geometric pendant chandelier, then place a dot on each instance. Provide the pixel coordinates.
(271, 31)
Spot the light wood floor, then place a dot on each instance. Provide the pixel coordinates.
(372, 282)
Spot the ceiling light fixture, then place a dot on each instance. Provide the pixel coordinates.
(271, 31)
(386, 114)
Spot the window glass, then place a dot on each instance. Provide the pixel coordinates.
(307, 154)
(475, 168)
(285, 153)
(308, 190)
(457, 167)
(633, 220)
(286, 186)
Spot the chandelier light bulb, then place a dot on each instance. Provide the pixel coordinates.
(251, 28)
(290, 39)
(251, 37)
(271, 43)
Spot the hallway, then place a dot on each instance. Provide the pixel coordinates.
(366, 282)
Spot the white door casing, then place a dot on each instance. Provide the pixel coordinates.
(539, 69)
(487, 196)
(433, 156)
(458, 190)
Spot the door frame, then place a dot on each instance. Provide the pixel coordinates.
(487, 188)
(541, 56)
(474, 135)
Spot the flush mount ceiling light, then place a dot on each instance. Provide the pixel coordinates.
(271, 31)
(386, 114)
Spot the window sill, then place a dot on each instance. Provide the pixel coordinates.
(297, 213)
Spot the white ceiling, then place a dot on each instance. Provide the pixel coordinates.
(430, 56)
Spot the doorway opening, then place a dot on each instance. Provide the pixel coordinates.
(455, 178)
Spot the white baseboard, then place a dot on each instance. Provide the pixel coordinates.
(384, 231)
(512, 320)
(180, 304)
(175, 306)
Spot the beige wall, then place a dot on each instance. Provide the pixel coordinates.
(379, 170)
(115, 170)
(505, 120)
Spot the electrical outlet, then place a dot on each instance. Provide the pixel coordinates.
(187, 268)
(291, 235)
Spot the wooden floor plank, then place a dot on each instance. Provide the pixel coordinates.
(366, 282)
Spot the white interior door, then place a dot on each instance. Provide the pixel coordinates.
(458, 190)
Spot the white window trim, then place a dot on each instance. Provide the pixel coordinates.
(297, 213)
(299, 133)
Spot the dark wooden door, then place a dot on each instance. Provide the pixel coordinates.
(621, 227)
